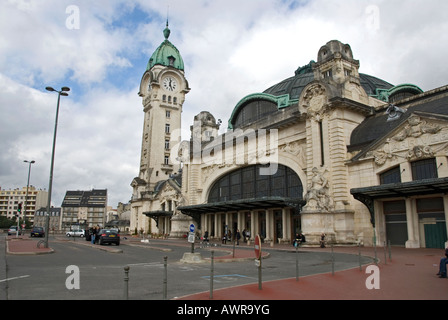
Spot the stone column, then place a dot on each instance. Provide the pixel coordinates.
(286, 222)
(411, 224)
(253, 225)
(218, 226)
(269, 226)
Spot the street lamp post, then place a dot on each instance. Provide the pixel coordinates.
(62, 92)
(27, 186)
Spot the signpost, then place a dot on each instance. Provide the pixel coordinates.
(257, 247)
(191, 237)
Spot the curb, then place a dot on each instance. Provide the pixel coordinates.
(24, 253)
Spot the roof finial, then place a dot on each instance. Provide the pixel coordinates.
(167, 31)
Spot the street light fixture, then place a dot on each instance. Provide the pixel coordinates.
(26, 195)
(62, 92)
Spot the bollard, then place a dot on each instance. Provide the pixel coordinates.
(359, 257)
(165, 278)
(211, 274)
(374, 247)
(297, 264)
(126, 283)
(390, 250)
(332, 260)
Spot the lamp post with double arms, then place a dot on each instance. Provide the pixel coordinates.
(62, 92)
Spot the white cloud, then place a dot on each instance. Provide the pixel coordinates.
(230, 49)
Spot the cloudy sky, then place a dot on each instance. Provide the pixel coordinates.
(231, 48)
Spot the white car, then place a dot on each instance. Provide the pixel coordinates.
(13, 231)
(76, 233)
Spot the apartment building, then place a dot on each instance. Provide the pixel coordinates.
(10, 199)
(84, 209)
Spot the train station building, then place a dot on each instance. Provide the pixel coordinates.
(327, 150)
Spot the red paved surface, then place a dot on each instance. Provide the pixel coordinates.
(409, 275)
(25, 246)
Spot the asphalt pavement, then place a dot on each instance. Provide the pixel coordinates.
(401, 274)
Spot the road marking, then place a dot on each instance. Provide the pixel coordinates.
(14, 278)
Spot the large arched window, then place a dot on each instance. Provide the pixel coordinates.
(254, 111)
(247, 183)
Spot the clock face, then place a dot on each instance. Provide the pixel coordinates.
(169, 84)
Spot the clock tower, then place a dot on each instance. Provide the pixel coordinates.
(163, 88)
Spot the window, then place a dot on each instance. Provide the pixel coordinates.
(327, 74)
(167, 144)
(166, 161)
(168, 114)
(247, 183)
(167, 128)
(424, 169)
(254, 111)
(391, 176)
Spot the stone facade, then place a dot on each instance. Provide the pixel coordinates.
(313, 154)
(163, 88)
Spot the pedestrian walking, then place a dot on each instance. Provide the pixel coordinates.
(238, 237)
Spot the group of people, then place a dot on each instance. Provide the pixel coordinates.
(228, 236)
(300, 238)
(93, 232)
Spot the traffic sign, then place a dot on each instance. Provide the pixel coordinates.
(191, 237)
(257, 247)
(192, 227)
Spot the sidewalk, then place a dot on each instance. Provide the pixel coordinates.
(24, 245)
(409, 275)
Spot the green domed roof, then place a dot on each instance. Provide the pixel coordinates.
(166, 54)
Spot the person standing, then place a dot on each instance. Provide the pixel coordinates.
(322, 240)
(442, 267)
(238, 237)
(94, 232)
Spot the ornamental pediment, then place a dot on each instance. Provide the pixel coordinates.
(418, 137)
(168, 191)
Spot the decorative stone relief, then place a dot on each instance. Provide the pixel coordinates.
(419, 152)
(296, 150)
(314, 100)
(318, 194)
(208, 170)
(415, 128)
(382, 154)
(411, 143)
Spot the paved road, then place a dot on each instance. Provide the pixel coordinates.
(101, 273)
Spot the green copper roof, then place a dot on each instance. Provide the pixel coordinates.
(166, 54)
(385, 94)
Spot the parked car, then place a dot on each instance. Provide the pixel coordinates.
(75, 233)
(13, 230)
(108, 236)
(37, 232)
